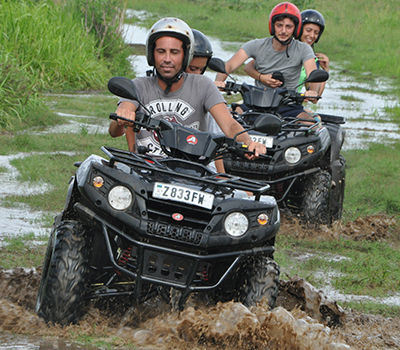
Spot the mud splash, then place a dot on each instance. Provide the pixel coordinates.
(305, 318)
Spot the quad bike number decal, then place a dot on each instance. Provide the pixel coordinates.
(183, 194)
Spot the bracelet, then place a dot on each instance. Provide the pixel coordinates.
(259, 78)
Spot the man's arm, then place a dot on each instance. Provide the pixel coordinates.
(231, 127)
(232, 64)
(324, 64)
(127, 110)
(266, 79)
(314, 88)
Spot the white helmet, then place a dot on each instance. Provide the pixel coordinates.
(171, 27)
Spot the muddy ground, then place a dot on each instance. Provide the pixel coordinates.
(305, 318)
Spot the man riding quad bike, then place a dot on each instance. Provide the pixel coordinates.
(135, 226)
(303, 166)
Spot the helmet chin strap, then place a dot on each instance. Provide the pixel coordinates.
(170, 81)
(285, 43)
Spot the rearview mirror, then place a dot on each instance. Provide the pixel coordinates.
(317, 76)
(267, 123)
(218, 65)
(123, 87)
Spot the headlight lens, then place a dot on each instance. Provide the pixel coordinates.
(98, 181)
(292, 155)
(262, 219)
(236, 224)
(120, 197)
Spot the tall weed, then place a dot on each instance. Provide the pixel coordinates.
(53, 46)
(16, 91)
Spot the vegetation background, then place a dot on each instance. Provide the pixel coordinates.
(53, 47)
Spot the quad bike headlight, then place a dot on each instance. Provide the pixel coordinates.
(262, 219)
(120, 198)
(236, 224)
(292, 155)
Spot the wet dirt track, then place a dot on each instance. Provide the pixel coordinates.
(305, 318)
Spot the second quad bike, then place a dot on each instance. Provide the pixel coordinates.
(304, 166)
(135, 226)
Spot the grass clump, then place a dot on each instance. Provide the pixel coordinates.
(20, 251)
(55, 46)
(372, 181)
(371, 307)
(351, 267)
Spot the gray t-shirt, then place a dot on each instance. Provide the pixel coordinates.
(187, 106)
(268, 60)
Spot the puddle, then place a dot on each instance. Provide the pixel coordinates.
(20, 219)
(78, 126)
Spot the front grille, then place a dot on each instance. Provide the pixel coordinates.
(195, 218)
(176, 233)
(253, 167)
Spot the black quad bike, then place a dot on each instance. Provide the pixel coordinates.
(134, 226)
(304, 166)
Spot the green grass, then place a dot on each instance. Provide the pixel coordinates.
(352, 267)
(372, 184)
(19, 251)
(98, 105)
(351, 98)
(47, 45)
(373, 308)
(52, 168)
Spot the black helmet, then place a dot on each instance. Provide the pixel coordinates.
(312, 16)
(202, 47)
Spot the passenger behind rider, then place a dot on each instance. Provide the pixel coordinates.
(312, 27)
(281, 53)
(173, 94)
(202, 54)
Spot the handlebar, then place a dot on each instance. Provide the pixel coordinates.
(142, 121)
(266, 98)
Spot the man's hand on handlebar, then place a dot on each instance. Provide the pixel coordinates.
(313, 96)
(257, 148)
(220, 84)
(127, 114)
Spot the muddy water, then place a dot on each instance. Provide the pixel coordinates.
(305, 318)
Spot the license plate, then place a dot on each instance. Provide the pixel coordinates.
(268, 141)
(183, 194)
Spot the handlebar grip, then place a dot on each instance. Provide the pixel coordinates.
(115, 116)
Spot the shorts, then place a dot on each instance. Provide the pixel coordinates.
(291, 111)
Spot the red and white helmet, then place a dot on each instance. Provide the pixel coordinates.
(285, 10)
